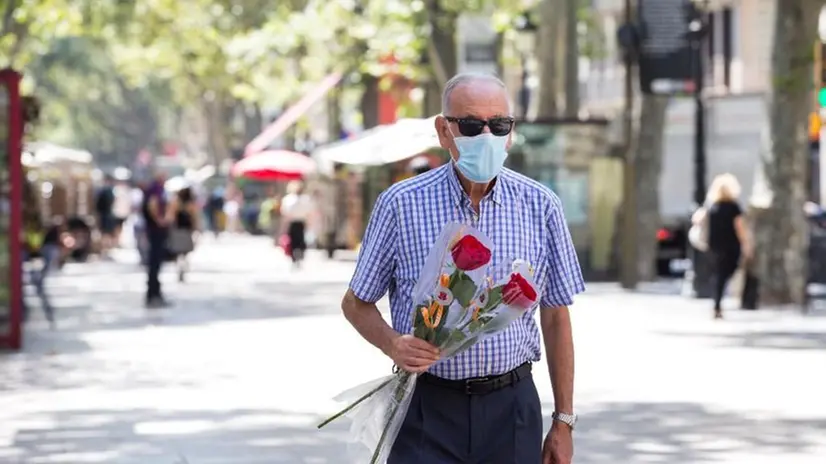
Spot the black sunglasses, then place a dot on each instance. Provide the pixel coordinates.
(470, 127)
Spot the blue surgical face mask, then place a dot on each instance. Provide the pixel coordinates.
(481, 157)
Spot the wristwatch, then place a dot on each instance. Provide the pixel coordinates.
(567, 419)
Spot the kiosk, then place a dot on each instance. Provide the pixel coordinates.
(11, 135)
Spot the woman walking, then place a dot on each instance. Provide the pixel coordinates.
(728, 241)
(183, 215)
(296, 209)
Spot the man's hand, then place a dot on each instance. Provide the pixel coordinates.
(413, 354)
(559, 445)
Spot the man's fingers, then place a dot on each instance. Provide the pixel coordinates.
(420, 344)
(423, 353)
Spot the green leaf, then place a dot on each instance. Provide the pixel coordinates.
(494, 299)
(475, 325)
(421, 332)
(441, 337)
(463, 289)
(457, 337)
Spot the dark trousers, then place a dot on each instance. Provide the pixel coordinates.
(155, 258)
(725, 265)
(296, 230)
(445, 426)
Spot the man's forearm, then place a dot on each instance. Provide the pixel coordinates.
(367, 320)
(559, 348)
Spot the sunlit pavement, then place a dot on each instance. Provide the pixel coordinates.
(244, 364)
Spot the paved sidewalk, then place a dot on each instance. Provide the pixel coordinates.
(243, 366)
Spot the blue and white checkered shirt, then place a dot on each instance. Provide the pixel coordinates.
(523, 218)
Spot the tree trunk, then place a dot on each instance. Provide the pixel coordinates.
(441, 55)
(547, 46)
(219, 139)
(571, 59)
(253, 122)
(781, 231)
(442, 46)
(648, 170)
(334, 126)
(370, 101)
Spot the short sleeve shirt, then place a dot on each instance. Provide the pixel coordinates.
(523, 218)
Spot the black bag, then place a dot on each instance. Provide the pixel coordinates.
(748, 300)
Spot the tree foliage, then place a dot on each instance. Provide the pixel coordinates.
(219, 55)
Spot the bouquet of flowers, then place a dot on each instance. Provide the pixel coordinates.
(456, 304)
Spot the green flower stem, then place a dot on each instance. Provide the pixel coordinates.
(489, 305)
(356, 403)
(395, 410)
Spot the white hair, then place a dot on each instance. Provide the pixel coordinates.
(468, 78)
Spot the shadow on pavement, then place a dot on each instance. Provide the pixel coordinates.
(773, 340)
(145, 436)
(685, 433)
(627, 433)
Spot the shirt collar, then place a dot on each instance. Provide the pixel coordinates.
(460, 196)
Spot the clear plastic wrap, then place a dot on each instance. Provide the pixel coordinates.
(455, 305)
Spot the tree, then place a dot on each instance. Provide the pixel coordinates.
(29, 27)
(88, 104)
(648, 159)
(572, 54)
(781, 229)
(547, 56)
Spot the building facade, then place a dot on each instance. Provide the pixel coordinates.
(737, 65)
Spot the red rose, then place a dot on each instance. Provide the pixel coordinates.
(469, 253)
(518, 292)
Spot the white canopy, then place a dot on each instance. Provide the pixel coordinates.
(381, 145)
(47, 153)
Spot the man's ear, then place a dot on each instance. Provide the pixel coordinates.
(440, 124)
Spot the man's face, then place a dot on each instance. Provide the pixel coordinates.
(477, 100)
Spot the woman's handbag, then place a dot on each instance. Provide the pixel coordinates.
(284, 243)
(180, 241)
(698, 233)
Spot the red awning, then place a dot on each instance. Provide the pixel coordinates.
(289, 117)
(274, 165)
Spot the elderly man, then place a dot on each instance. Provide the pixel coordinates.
(480, 406)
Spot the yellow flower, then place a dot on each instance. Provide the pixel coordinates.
(433, 315)
(444, 280)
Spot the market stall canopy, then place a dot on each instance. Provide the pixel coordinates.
(274, 165)
(48, 153)
(385, 144)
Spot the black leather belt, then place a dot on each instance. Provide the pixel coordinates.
(481, 385)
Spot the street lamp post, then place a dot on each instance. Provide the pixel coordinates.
(697, 29)
(526, 30)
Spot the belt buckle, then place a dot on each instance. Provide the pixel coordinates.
(470, 382)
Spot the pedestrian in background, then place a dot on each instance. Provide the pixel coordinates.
(296, 210)
(269, 216)
(728, 240)
(157, 227)
(139, 222)
(182, 215)
(107, 222)
(121, 208)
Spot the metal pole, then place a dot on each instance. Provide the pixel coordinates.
(629, 272)
(699, 119)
